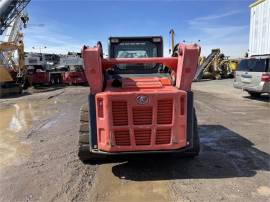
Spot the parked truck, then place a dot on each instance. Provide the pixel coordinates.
(139, 101)
(74, 74)
(41, 69)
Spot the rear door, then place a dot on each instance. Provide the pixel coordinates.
(256, 68)
(252, 70)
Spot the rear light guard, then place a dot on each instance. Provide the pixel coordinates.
(100, 107)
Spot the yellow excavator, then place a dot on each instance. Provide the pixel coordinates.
(215, 66)
(12, 73)
(12, 65)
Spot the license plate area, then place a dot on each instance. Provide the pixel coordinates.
(246, 78)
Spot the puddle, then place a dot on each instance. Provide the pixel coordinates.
(15, 120)
(110, 188)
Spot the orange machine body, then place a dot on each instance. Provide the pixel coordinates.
(146, 113)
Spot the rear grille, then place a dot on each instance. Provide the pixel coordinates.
(137, 132)
(119, 113)
(142, 115)
(164, 111)
(163, 136)
(122, 138)
(142, 136)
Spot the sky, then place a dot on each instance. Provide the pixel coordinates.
(67, 25)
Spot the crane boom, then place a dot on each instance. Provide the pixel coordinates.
(9, 10)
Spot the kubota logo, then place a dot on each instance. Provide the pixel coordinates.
(142, 99)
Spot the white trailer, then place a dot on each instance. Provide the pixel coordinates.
(259, 37)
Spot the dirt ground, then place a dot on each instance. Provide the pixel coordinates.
(38, 153)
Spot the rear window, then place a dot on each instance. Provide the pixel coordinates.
(253, 65)
(135, 49)
(143, 49)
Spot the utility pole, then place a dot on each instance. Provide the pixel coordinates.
(172, 40)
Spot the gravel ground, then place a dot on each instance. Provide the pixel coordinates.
(38, 148)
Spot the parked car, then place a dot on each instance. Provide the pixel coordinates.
(253, 75)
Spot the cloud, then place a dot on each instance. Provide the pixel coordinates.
(231, 39)
(52, 38)
(204, 19)
(217, 32)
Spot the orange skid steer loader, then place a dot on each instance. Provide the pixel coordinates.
(139, 101)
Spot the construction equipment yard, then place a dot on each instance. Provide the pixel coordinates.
(39, 155)
(135, 101)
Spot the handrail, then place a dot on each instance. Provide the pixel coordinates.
(170, 62)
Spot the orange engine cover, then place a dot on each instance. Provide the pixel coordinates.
(145, 114)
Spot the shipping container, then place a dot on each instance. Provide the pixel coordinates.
(259, 37)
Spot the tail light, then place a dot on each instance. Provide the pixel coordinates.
(100, 108)
(265, 77)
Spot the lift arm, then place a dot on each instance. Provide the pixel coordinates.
(184, 65)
